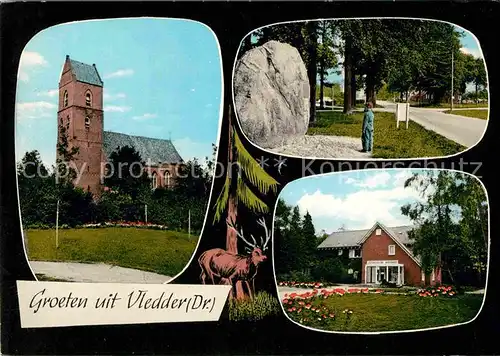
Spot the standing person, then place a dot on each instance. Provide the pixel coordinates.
(367, 133)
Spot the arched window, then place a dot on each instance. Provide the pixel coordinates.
(167, 178)
(60, 121)
(65, 99)
(154, 182)
(87, 122)
(88, 98)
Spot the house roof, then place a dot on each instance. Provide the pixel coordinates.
(86, 73)
(152, 150)
(353, 238)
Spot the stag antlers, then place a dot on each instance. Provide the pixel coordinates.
(263, 240)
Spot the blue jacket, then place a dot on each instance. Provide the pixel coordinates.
(368, 120)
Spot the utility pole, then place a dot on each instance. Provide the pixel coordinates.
(146, 212)
(57, 224)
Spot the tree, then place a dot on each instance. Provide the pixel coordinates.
(310, 240)
(126, 173)
(326, 55)
(243, 172)
(451, 222)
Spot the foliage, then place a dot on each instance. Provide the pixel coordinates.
(400, 54)
(263, 305)
(452, 223)
(249, 172)
(397, 143)
(163, 252)
(128, 176)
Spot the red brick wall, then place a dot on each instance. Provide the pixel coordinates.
(377, 248)
(89, 140)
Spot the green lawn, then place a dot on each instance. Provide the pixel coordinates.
(378, 312)
(163, 252)
(388, 141)
(479, 114)
(447, 105)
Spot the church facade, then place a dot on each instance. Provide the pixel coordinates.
(81, 112)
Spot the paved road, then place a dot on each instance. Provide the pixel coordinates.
(464, 130)
(95, 272)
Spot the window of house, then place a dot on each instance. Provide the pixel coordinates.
(167, 179)
(154, 181)
(392, 250)
(433, 276)
(88, 98)
(378, 232)
(87, 122)
(340, 252)
(354, 253)
(65, 98)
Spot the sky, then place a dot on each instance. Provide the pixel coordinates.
(162, 79)
(353, 199)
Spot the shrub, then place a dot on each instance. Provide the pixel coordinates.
(264, 304)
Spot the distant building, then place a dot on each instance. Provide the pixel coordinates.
(385, 253)
(81, 107)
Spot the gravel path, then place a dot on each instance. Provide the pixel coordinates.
(324, 147)
(95, 272)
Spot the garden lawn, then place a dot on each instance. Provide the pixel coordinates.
(479, 114)
(388, 141)
(447, 105)
(379, 312)
(163, 252)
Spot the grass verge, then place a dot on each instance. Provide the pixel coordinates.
(447, 105)
(163, 252)
(388, 141)
(379, 312)
(264, 304)
(478, 114)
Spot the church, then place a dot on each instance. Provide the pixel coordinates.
(81, 111)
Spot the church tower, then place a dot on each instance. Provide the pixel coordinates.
(81, 113)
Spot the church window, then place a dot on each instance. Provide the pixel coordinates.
(154, 183)
(65, 98)
(88, 98)
(167, 179)
(87, 122)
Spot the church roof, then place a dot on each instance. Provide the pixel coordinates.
(153, 151)
(86, 73)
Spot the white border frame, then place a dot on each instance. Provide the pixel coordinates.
(360, 159)
(221, 115)
(394, 331)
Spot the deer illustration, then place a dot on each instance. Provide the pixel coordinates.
(228, 268)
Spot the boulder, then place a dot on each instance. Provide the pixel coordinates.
(271, 93)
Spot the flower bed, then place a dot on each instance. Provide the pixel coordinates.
(445, 291)
(304, 284)
(307, 308)
(138, 224)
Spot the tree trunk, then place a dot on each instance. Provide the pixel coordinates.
(348, 75)
(353, 90)
(321, 87)
(322, 71)
(477, 99)
(312, 68)
(232, 213)
(370, 90)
